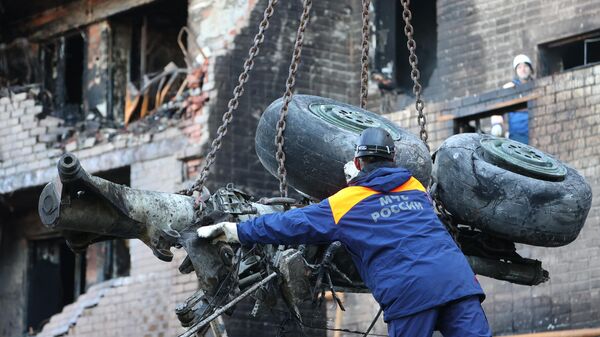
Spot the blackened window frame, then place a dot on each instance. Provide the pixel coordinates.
(568, 53)
(59, 57)
(390, 42)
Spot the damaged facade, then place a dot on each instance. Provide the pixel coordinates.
(102, 79)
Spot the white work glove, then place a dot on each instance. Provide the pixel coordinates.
(223, 231)
(350, 171)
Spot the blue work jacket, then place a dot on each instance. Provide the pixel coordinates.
(387, 223)
(518, 123)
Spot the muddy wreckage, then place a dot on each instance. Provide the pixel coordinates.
(490, 193)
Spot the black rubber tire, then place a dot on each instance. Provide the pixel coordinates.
(503, 203)
(317, 147)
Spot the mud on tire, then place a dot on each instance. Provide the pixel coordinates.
(510, 190)
(320, 136)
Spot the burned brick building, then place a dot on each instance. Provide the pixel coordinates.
(104, 79)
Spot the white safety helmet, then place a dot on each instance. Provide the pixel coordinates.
(521, 58)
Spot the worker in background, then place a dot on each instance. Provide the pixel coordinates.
(404, 254)
(388, 91)
(518, 121)
(497, 126)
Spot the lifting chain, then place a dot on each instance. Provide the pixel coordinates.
(364, 60)
(238, 91)
(447, 220)
(414, 73)
(287, 98)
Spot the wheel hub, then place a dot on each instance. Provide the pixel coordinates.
(523, 159)
(350, 119)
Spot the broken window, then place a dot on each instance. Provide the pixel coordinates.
(109, 259)
(38, 267)
(57, 276)
(62, 63)
(55, 279)
(576, 51)
(146, 57)
(106, 260)
(391, 53)
(192, 167)
(88, 72)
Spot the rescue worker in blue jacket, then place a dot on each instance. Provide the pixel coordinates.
(386, 221)
(518, 121)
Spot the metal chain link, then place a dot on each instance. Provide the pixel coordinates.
(414, 73)
(364, 75)
(287, 98)
(447, 220)
(238, 91)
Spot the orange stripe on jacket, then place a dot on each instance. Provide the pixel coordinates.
(343, 201)
(410, 185)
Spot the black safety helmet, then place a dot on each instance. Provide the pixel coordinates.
(375, 142)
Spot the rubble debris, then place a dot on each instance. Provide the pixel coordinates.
(96, 128)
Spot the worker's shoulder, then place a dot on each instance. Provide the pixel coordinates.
(352, 192)
(410, 185)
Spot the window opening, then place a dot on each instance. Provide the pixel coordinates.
(56, 276)
(145, 42)
(511, 121)
(54, 280)
(391, 54)
(570, 53)
(591, 50)
(63, 63)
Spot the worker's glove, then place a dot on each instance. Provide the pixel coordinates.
(350, 171)
(223, 231)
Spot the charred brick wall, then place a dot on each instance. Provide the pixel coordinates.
(137, 305)
(477, 39)
(30, 145)
(564, 120)
(13, 259)
(330, 67)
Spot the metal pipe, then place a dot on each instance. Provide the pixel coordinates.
(373, 322)
(94, 209)
(530, 273)
(249, 280)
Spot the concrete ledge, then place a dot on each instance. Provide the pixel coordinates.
(102, 162)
